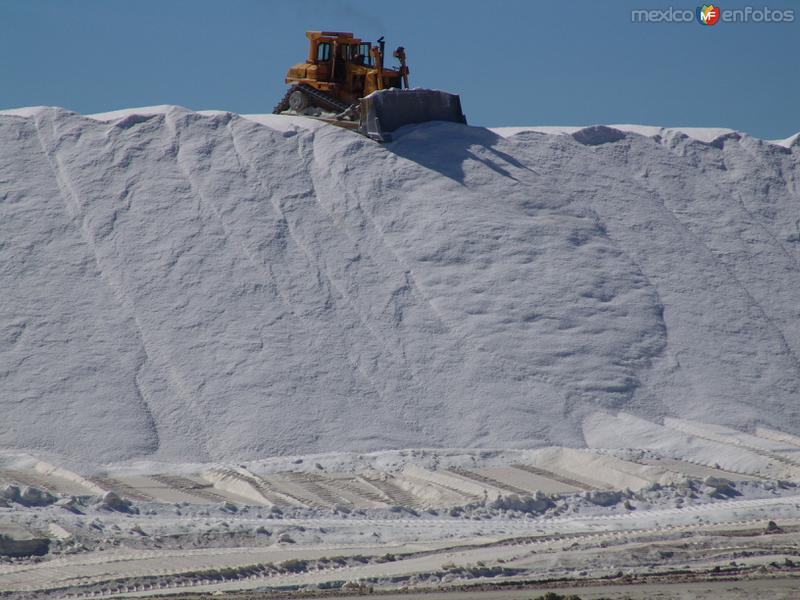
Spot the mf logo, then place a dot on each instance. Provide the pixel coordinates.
(708, 14)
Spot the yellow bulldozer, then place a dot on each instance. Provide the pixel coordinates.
(344, 81)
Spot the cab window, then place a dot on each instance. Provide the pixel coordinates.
(363, 49)
(323, 51)
(354, 51)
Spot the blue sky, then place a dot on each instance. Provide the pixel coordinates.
(514, 62)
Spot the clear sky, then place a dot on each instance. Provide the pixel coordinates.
(514, 62)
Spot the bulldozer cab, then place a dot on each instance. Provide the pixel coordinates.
(343, 66)
(332, 52)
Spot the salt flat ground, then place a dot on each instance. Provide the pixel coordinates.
(700, 500)
(764, 589)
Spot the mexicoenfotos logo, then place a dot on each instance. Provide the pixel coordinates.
(711, 14)
(708, 14)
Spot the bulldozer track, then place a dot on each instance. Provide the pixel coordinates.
(488, 481)
(393, 492)
(347, 491)
(554, 476)
(21, 478)
(190, 487)
(284, 102)
(119, 487)
(319, 99)
(272, 490)
(281, 499)
(311, 483)
(261, 486)
(719, 439)
(276, 497)
(359, 487)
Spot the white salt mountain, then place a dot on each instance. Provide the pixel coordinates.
(206, 286)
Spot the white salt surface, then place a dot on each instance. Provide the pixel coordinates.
(182, 286)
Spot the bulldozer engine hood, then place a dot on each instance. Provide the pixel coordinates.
(299, 71)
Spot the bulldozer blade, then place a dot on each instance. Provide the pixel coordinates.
(386, 111)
